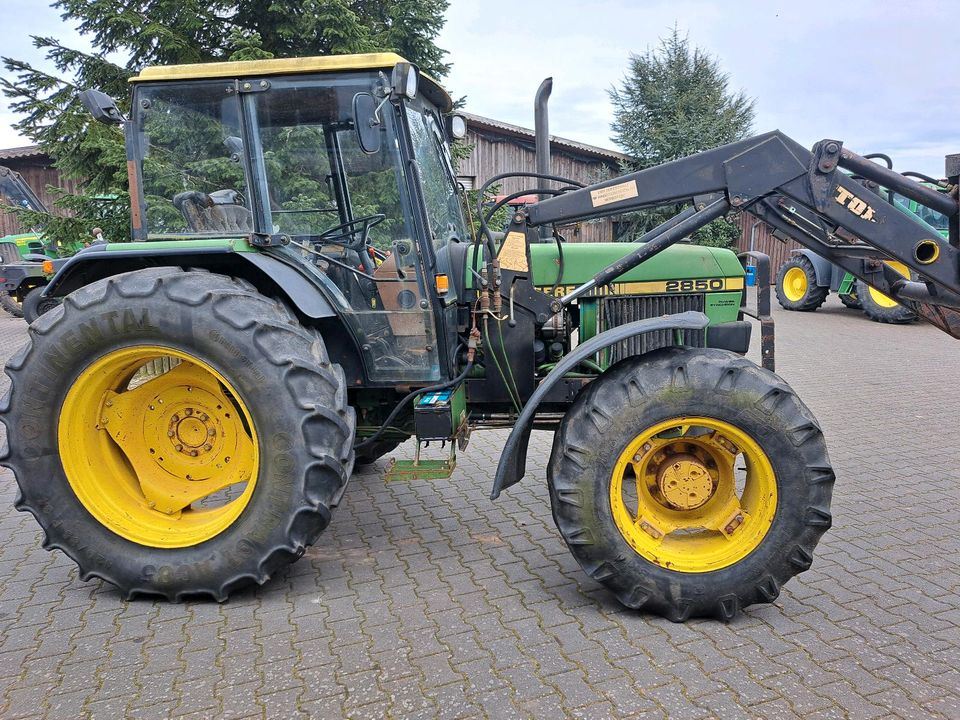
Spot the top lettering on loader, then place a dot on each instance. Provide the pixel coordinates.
(858, 207)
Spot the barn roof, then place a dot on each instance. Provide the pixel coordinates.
(478, 122)
(18, 153)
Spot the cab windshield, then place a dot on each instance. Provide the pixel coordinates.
(280, 157)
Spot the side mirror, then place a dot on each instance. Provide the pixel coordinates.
(101, 106)
(366, 121)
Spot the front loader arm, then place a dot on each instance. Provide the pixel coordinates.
(801, 193)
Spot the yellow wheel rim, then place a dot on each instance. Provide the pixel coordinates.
(158, 446)
(678, 501)
(795, 284)
(878, 297)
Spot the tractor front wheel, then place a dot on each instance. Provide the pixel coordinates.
(177, 433)
(34, 304)
(880, 308)
(797, 287)
(690, 483)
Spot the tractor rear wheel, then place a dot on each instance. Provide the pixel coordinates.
(880, 308)
(797, 287)
(10, 304)
(690, 483)
(177, 433)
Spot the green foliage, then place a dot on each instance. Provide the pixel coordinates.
(160, 32)
(675, 101)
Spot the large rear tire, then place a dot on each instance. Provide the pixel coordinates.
(647, 491)
(880, 308)
(177, 433)
(797, 287)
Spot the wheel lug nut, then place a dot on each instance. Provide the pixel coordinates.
(193, 453)
(170, 433)
(204, 417)
(178, 447)
(174, 418)
(189, 411)
(208, 448)
(211, 432)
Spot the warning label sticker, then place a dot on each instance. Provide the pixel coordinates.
(513, 253)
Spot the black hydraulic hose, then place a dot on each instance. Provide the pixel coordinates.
(921, 176)
(485, 230)
(407, 398)
(556, 283)
(881, 156)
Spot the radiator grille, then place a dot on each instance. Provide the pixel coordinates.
(621, 310)
(9, 253)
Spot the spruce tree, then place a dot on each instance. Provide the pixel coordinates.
(675, 101)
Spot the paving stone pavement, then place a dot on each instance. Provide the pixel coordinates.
(427, 600)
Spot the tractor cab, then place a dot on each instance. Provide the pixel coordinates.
(336, 165)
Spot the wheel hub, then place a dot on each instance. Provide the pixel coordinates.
(192, 432)
(685, 482)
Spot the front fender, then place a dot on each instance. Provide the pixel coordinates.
(513, 459)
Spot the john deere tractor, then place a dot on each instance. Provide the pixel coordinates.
(301, 294)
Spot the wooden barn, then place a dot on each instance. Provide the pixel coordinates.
(499, 147)
(37, 170)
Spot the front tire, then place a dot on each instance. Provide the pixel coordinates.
(880, 308)
(177, 433)
(34, 304)
(797, 287)
(645, 490)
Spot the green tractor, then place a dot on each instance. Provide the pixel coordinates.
(28, 260)
(301, 295)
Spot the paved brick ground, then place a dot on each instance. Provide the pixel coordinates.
(425, 600)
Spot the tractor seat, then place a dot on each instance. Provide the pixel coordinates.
(210, 213)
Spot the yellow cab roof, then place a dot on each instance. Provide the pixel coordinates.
(291, 66)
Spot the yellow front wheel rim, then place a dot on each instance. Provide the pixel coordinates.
(878, 297)
(678, 501)
(795, 284)
(158, 446)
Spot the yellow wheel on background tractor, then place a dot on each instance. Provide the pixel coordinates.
(797, 287)
(177, 433)
(690, 482)
(881, 308)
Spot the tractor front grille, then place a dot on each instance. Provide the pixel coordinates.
(622, 310)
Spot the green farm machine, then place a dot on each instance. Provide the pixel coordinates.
(28, 260)
(302, 294)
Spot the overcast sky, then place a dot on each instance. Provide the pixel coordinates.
(876, 75)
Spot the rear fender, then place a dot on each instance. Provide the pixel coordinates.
(513, 459)
(270, 275)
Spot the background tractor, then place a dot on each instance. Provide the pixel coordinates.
(806, 279)
(28, 261)
(302, 293)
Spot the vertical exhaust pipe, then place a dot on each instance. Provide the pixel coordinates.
(541, 126)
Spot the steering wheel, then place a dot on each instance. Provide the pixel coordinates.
(360, 225)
